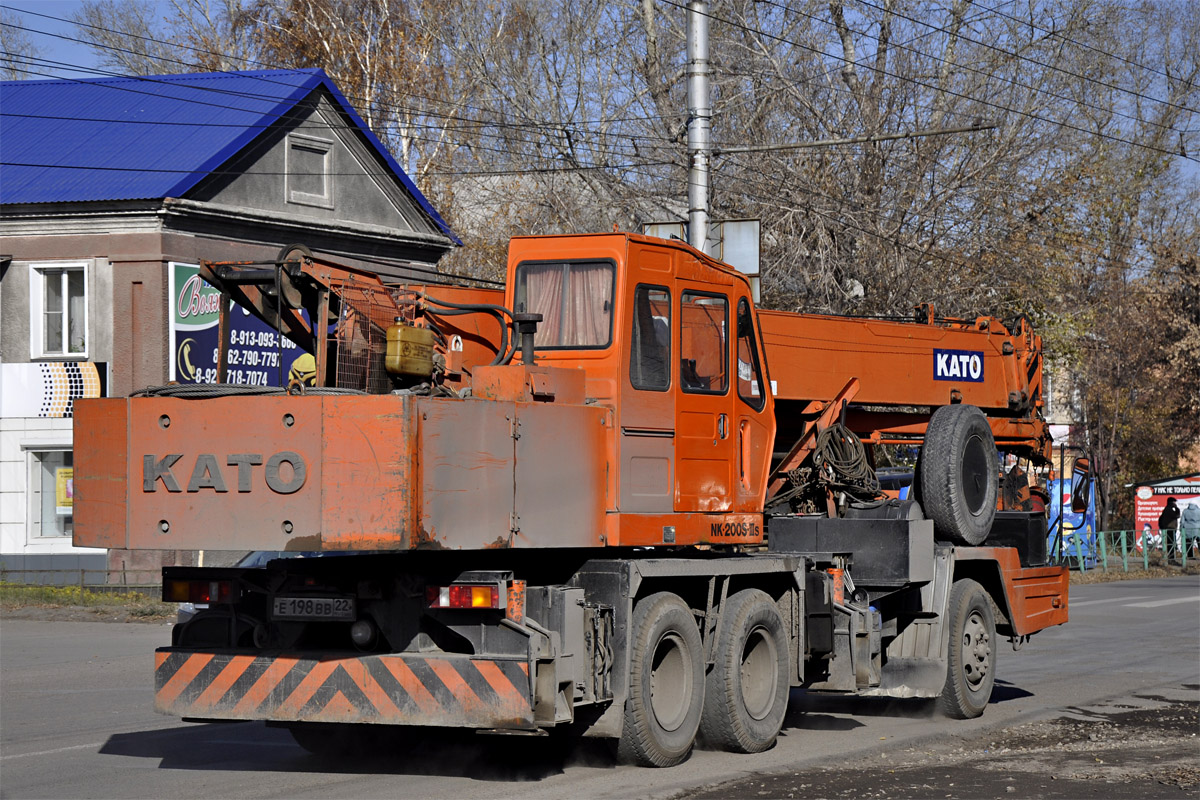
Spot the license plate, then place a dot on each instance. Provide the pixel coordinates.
(332, 608)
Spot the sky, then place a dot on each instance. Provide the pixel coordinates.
(50, 47)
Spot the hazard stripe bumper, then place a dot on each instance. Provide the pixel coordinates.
(446, 690)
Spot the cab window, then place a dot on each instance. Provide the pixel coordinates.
(574, 299)
(650, 352)
(704, 344)
(749, 371)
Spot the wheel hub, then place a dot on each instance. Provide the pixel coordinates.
(976, 651)
(670, 683)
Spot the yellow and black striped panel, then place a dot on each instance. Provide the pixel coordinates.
(448, 690)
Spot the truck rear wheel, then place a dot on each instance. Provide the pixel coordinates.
(959, 474)
(746, 693)
(666, 683)
(971, 660)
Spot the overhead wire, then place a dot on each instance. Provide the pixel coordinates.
(628, 167)
(270, 66)
(1001, 50)
(960, 95)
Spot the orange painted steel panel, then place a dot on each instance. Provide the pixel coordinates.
(269, 473)
(368, 464)
(378, 472)
(812, 356)
(224, 473)
(100, 472)
(400, 689)
(641, 530)
(1038, 597)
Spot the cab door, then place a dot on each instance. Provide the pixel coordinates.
(704, 403)
(755, 430)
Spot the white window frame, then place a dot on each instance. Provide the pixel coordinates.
(323, 146)
(33, 507)
(37, 295)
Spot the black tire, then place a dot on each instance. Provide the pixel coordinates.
(971, 657)
(746, 693)
(959, 474)
(666, 683)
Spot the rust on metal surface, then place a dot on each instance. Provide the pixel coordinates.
(1038, 597)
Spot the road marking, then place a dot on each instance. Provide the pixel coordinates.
(52, 752)
(1157, 603)
(1110, 600)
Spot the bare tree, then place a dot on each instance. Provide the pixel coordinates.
(194, 35)
(18, 53)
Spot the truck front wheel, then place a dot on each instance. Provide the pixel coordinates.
(746, 695)
(666, 683)
(971, 660)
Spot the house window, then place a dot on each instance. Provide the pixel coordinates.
(309, 171)
(58, 310)
(51, 494)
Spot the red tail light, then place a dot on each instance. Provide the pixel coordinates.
(176, 590)
(463, 596)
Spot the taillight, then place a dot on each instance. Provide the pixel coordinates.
(461, 595)
(178, 590)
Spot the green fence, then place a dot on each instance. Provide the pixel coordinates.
(1118, 549)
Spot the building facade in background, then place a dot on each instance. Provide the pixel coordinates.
(112, 192)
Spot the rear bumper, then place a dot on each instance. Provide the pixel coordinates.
(445, 690)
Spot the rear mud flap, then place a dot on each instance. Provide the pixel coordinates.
(447, 690)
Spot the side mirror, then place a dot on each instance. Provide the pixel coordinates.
(1081, 481)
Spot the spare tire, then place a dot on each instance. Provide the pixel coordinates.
(959, 472)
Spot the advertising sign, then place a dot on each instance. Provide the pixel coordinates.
(1074, 526)
(254, 347)
(1151, 498)
(64, 491)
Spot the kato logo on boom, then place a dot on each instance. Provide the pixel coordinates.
(958, 365)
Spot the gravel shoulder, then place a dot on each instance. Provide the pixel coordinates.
(1147, 747)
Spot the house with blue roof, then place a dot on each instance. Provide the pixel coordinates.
(111, 193)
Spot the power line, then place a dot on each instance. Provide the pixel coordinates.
(474, 173)
(189, 66)
(1029, 60)
(1055, 33)
(960, 95)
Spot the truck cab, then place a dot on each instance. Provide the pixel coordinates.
(668, 339)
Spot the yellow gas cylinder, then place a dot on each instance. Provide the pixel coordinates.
(409, 350)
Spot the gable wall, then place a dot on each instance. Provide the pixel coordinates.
(360, 191)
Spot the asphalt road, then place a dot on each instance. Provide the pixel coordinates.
(76, 719)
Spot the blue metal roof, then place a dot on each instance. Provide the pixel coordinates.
(64, 141)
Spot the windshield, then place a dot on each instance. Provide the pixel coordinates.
(574, 299)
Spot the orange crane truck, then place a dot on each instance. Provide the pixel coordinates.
(612, 499)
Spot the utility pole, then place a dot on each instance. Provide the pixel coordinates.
(699, 130)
